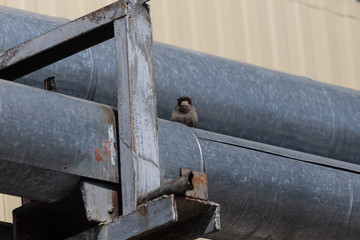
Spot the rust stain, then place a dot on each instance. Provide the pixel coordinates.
(103, 153)
(98, 156)
(96, 17)
(106, 146)
(108, 118)
(148, 19)
(115, 203)
(143, 210)
(9, 54)
(199, 182)
(123, 5)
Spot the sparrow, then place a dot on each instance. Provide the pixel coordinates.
(184, 112)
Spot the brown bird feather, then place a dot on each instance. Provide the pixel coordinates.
(184, 112)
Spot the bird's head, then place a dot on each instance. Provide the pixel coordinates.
(184, 101)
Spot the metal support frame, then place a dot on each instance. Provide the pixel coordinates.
(130, 24)
(138, 138)
(168, 217)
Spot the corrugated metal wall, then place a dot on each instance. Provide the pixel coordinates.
(315, 38)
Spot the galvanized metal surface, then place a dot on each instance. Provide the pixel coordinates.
(267, 192)
(56, 132)
(100, 202)
(23, 179)
(177, 186)
(264, 191)
(235, 98)
(138, 138)
(61, 42)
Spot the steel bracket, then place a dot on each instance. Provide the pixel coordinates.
(172, 211)
(100, 202)
(167, 217)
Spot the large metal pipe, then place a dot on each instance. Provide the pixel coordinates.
(265, 192)
(66, 136)
(232, 98)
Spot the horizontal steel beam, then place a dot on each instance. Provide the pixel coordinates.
(61, 42)
(155, 215)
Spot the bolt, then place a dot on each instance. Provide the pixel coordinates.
(111, 210)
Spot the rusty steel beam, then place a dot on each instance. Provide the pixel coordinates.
(138, 136)
(167, 217)
(199, 183)
(61, 42)
(100, 201)
(178, 186)
(190, 183)
(155, 215)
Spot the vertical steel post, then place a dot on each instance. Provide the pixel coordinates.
(138, 136)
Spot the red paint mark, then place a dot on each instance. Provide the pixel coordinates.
(98, 156)
(105, 151)
(106, 146)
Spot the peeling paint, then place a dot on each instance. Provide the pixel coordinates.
(112, 144)
(107, 150)
(98, 156)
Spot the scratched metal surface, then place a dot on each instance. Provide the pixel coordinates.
(232, 98)
(267, 192)
(57, 132)
(138, 137)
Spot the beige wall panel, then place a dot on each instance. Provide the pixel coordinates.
(337, 7)
(7, 204)
(266, 34)
(11, 203)
(293, 27)
(355, 40)
(252, 31)
(346, 53)
(334, 56)
(307, 41)
(353, 8)
(232, 31)
(321, 45)
(317, 3)
(3, 208)
(280, 43)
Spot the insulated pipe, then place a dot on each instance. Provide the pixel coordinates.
(265, 192)
(231, 97)
(65, 136)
